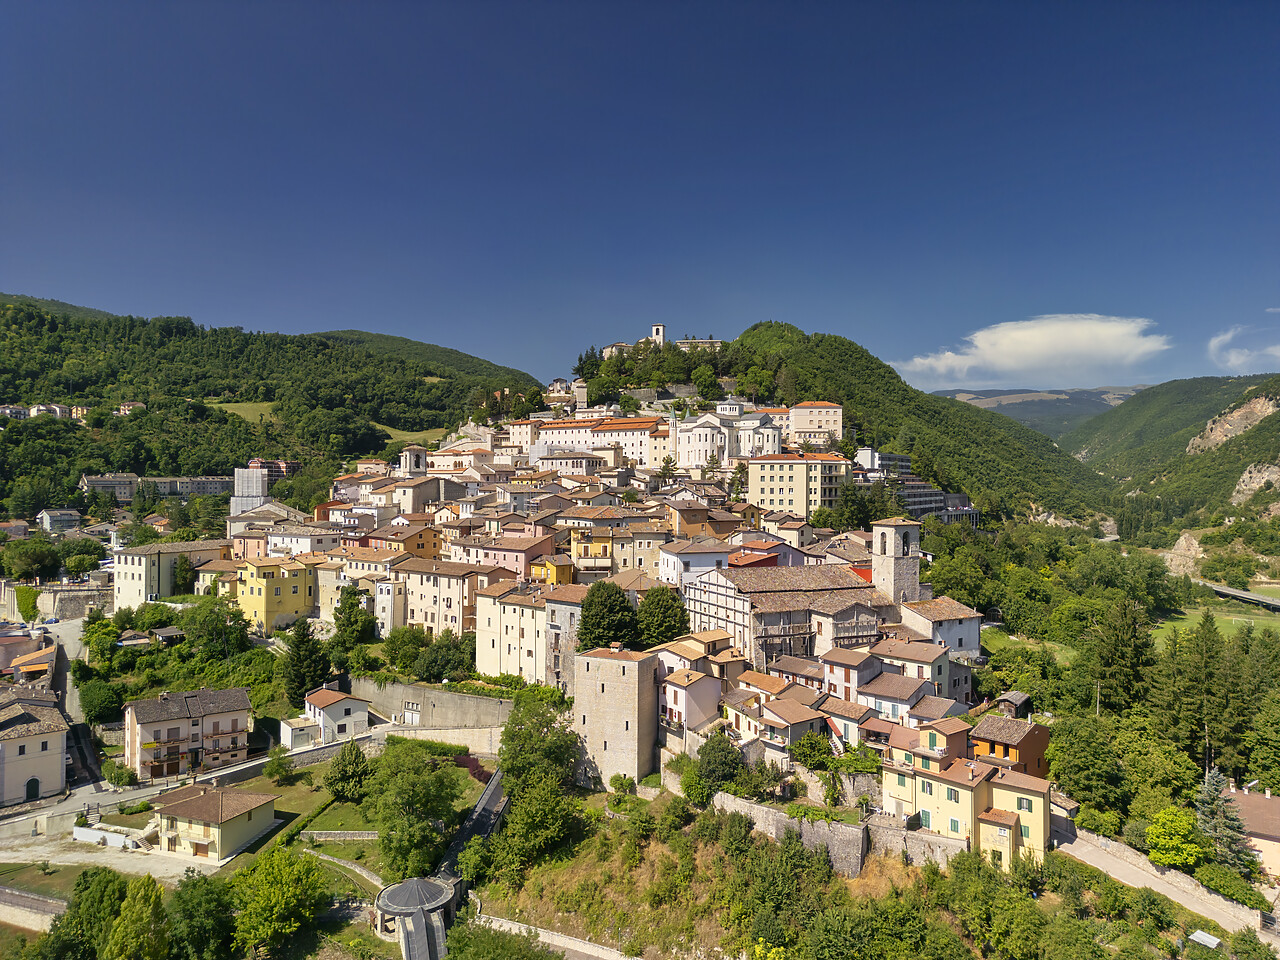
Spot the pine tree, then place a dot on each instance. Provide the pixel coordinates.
(348, 774)
(1203, 697)
(306, 665)
(1120, 657)
(1219, 820)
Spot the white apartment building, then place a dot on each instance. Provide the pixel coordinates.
(680, 562)
(728, 436)
(511, 632)
(817, 421)
(145, 573)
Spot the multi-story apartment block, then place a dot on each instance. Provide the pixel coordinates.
(1000, 812)
(144, 574)
(273, 592)
(615, 709)
(511, 632)
(816, 421)
(180, 732)
(287, 539)
(441, 595)
(797, 482)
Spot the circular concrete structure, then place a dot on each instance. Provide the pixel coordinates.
(405, 898)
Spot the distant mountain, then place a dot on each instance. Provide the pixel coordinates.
(444, 358)
(1150, 431)
(1006, 467)
(1051, 412)
(56, 306)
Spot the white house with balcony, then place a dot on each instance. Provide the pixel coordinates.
(338, 715)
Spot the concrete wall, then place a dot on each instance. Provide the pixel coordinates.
(482, 741)
(846, 843)
(102, 838)
(441, 709)
(891, 840)
(580, 948)
(66, 601)
(29, 911)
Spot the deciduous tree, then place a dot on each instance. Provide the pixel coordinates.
(607, 617)
(141, 932)
(202, 919)
(278, 896)
(662, 616)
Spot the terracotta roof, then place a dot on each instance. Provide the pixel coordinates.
(605, 653)
(443, 568)
(152, 549)
(573, 593)
(913, 652)
(1003, 818)
(1021, 781)
(843, 657)
(325, 698)
(791, 712)
(930, 707)
(836, 707)
(213, 804)
(761, 681)
(817, 403)
(948, 725)
(1260, 813)
(685, 678)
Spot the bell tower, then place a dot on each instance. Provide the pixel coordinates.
(895, 559)
(658, 335)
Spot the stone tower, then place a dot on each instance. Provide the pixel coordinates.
(895, 559)
(659, 335)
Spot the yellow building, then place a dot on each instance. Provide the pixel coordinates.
(1000, 812)
(275, 591)
(553, 569)
(414, 539)
(33, 745)
(213, 822)
(796, 482)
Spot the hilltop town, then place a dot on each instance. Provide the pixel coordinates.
(677, 600)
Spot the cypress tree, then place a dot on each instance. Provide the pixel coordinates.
(306, 665)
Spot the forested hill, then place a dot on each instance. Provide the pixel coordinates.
(443, 358)
(1151, 429)
(1007, 468)
(90, 359)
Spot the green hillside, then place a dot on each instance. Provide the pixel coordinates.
(1007, 468)
(56, 306)
(1152, 428)
(442, 358)
(327, 400)
(1051, 412)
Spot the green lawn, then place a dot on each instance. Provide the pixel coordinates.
(133, 821)
(28, 876)
(364, 852)
(13, 937)
(342, 816)
(246, 411)
(993, 639)
(294, 800)
(1229, 616)
(412, 436)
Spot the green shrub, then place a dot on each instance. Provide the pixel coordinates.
(653, 781)
(1231, 885)
(1104, 822)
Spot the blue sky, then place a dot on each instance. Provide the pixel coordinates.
(985, 194)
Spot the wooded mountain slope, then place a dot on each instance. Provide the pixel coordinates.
(1152, 428)
(1005, 467)
(444, 358)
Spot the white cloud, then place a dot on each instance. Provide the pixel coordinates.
(1059, 349)
(1272, 310)
(1245, 350)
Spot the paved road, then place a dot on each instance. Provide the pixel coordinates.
(1095, 856)
(1261, 599)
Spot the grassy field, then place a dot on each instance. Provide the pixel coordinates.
(28, 876)
(993, 639)
(247, 411)
(342, 816)
(12, 937)
(133, 821)
(1229, 616)
(411, 436)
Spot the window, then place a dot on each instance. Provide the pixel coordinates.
(44, 746)
(346, 711)
(1026, 832)
(22, 749)
(955, 825)
(1024, 803)
(926, 788)
(953, 795)
(1004, 832)
(902, 780)
(924, 819)
(250, 816)
(342, 728)
(277, 591)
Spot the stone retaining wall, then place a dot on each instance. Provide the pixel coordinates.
(846, 843)
(553, 939)
(1176, 878)
(920, 847)
(852, 786)
(103, 838)
(323, 835)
